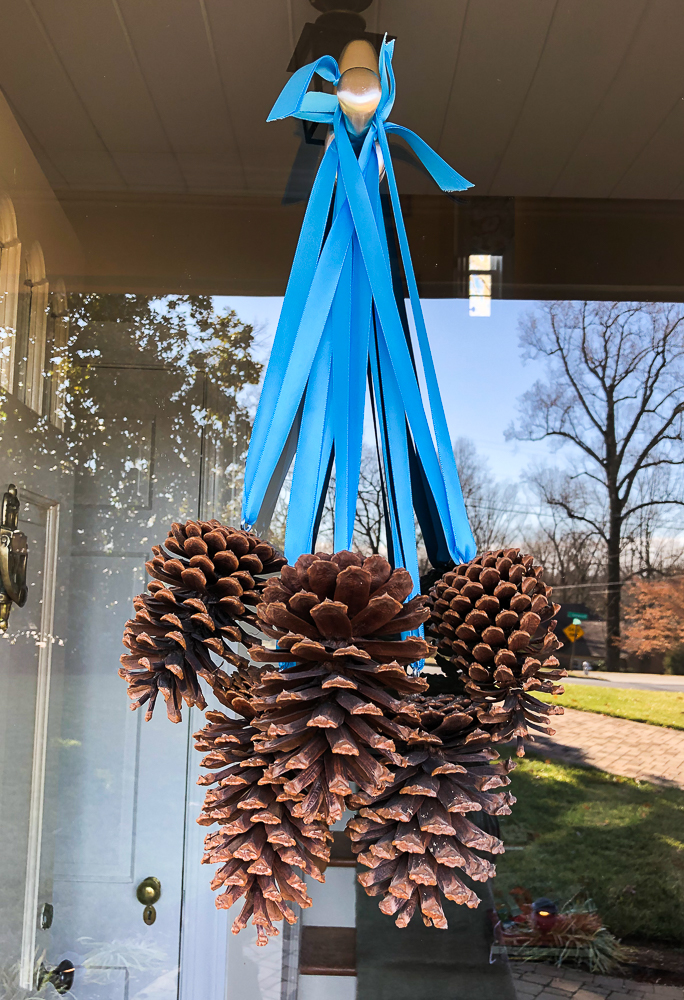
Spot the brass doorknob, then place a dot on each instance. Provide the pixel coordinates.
(148, 893)
(13, 557)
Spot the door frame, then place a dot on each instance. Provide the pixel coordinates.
(40, 734)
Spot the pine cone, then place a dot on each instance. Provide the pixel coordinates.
(216, 561)
(341, 600)
(169, 641)
(330, 719)
(495, 626)
(415, 834)
(237, 688)
(260, 842)
(204, 582)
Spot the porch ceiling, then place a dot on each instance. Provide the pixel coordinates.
(558, 98)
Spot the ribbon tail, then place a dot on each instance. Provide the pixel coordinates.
(298, 286)
(383, 294)
(361, 320)
(350, 354)
(463, 548)
(311, 463)
(399, 463)
(275, 425)
(443, 174)
(343, 403)
(378, 400)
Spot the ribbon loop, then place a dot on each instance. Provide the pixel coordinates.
(292, 95)
(341, 321)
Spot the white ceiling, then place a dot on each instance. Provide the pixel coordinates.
(562, 98)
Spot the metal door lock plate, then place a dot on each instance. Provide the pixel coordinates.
(148, 893)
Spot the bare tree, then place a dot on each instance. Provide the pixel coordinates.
(573, 556)
(490, 505)
(369, 526)
(614, 390)
(651, 547)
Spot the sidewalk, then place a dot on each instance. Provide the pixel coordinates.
(544, 982)
(619, 746)
(643, 682)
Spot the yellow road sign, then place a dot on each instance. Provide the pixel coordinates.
(573, 632)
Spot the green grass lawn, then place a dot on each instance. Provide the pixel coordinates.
(619, 842)
(660, 708)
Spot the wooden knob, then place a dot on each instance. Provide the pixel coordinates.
(359, 53)
(359, 89)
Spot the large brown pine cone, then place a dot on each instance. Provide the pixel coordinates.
(341, 600)
(415, 835)
(220, 562)
(331, 719)
(495, 626)
(170, 640)
(260, 842)
(206, 586)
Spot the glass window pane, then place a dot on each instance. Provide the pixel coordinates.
(149, 217)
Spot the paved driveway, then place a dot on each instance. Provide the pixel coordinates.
(619, 746)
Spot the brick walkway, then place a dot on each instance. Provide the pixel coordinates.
(619, 746)
(542, 982)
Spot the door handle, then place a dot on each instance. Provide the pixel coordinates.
(13, 558)
(148, 893)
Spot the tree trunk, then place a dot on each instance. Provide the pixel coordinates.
(613, 593)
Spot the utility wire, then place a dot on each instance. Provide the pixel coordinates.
(477, 505)
(607, 586)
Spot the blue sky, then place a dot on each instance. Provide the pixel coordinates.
(479, 369)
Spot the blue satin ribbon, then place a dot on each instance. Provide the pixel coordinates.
(341, 323)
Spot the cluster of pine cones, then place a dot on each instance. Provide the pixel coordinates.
(326, 718)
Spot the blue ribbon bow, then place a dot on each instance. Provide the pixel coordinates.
(341, 322)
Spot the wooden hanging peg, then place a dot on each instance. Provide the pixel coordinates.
(359, 89)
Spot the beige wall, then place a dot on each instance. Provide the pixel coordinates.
(39, 215)
(184, 243)
(244, 245)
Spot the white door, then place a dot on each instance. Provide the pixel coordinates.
(93, 798)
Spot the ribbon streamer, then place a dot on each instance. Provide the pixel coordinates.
(341, 326)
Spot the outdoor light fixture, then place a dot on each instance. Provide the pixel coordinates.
(545, 914)
(339, 23)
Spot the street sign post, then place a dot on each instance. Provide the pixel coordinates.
(574, 631)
